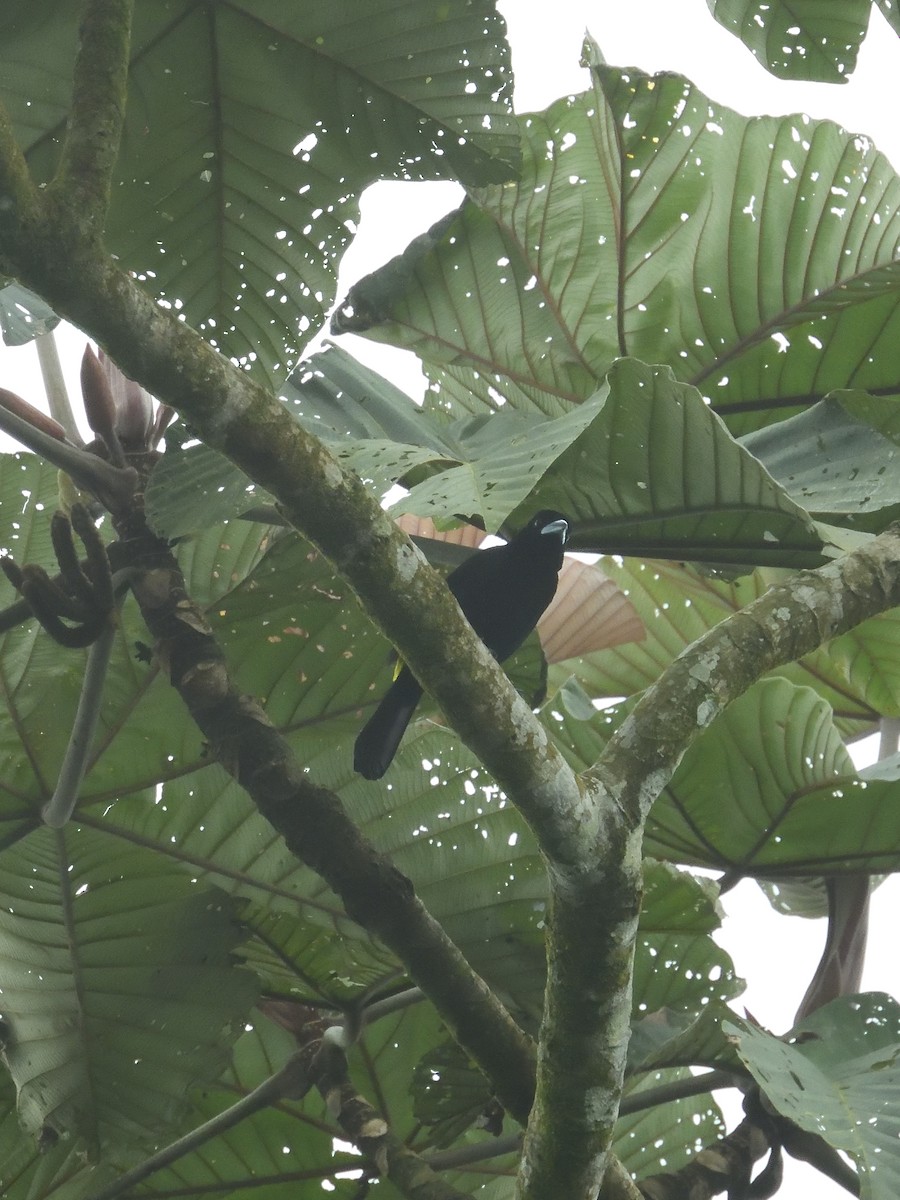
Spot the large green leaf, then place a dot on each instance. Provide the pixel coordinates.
(51, 1172)
(326, 964)
(289, 1151)
(642, 466)
(678, 966)
(658, 469)
(869, 657)
(191, 489)
(23, 316)
(652, 222)
(450, 1095)
(889, 11)
(338, 398)
(250, 130)
(798, 39)
(665, 1135)
(219, 558)
(462, 844)
(676, 960)
(836, 459)
(678, 1039)
(501, 459)
(838, 1076)
(770, 790)
(471, 857)
(476, 866)
(118, 987)
(238, 850)
(368, 423)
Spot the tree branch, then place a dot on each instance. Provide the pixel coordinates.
(678, 1089)
(412, 605)
(83, 181)
(233, 414)
(590, 935)
(414, 608)
(839, 971)
(18, 195)
(727, 1164)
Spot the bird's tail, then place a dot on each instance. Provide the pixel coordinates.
(379, 738)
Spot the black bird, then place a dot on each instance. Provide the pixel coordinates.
(503, 591)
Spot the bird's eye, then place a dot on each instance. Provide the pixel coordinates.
(558, 528)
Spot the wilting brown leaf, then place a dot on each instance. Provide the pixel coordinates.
(589, 612)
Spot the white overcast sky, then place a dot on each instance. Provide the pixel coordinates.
(775, 955)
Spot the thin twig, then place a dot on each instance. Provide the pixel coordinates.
(58, 809)
(391, 1004)
(464, 1156)
(678, 1089)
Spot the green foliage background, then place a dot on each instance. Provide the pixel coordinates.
(656, 327)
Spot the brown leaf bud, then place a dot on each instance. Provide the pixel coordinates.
(37, 419)
(99, 404)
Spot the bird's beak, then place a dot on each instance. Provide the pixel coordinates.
(557, 527)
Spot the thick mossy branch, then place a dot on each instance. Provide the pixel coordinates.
(63, 263)
(83, 181)
(590, 936)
